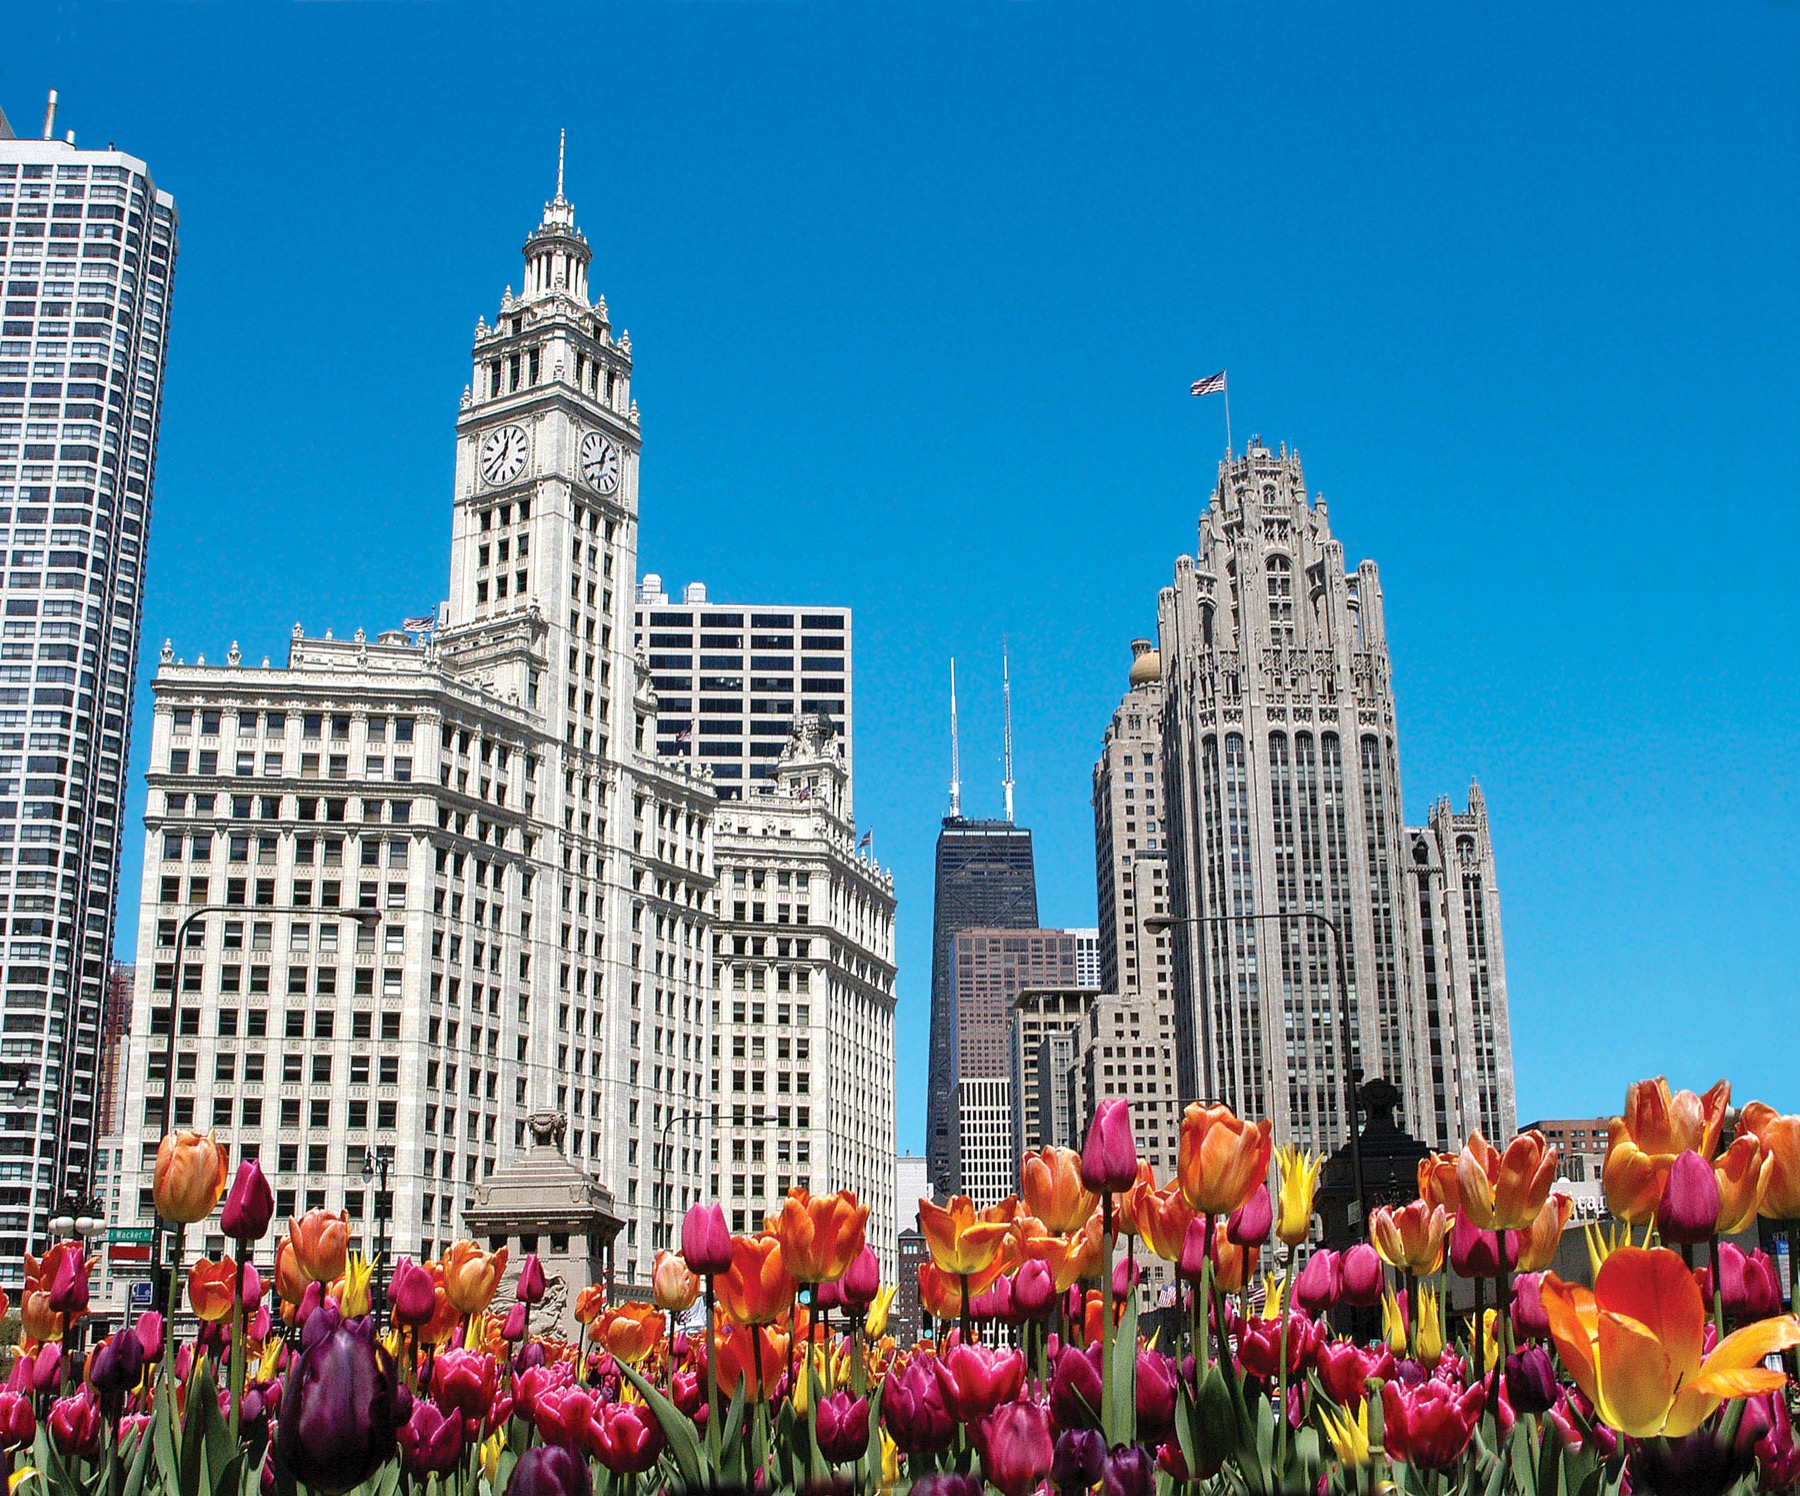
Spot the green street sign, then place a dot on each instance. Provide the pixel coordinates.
(137, 1236)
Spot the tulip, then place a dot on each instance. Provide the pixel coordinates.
(1319, 1284)
(705, 1241)
(1033, 1290)
(672, 1283)
(843, 1427)
(431, 1443)
(1437, 1181)
(550, 1470)
(1259, 1345)
(1298, 1171)
(412, 1296)
(1124, 1278)
(115, 1367)
(1016, 1447)
(1410, 1239)
(1430, 1338)
(960, 1241)
(1345, 1369)
(530, 1288)
(211, 1288)
(940, 1295)
(996, 1303)
(1749, 1285)
(875, 1322)
(947, 1483)
(1076, 1464)
(1688, 1212)
(1155, 1396)
(1777, 1455)
(1250, 1223)
(471, 1276)
(1429, 1426)
(1529, 1320)
(563, 1414)
(1505, 1191)
(1702, 1464)
(861, 1281)
(1531, 1380)
(1740, 1172)
(1348, 1431)
(1534, 1249)
(1779, 1138)
(1359, 1276)
(320, 1243)
(353, 1290)
(75, 1425)
(976, 1379)
(68, 1288)
(1075, 1388)
(1129, 1470)
(913, 1409)
(1222, 1158)
(1232, 1264)
(820, 1235)
(1051, 1182)
(627, 1438)
(1191, 1263)
(1634, 1344)
(18, 1424)
(1474, 1253)
(189, 1177)
(341, 1407)
(758, 1287)
(1109, 1156)
(464, 1381)
(1645, 1140)
(1395, 1312)
(1161, 1217)
(630, 1332)
(250, 1206)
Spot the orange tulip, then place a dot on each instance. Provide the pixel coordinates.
(1233, 1266)
(445, 1316)
(1224, 1159)
(1645, 1140)
(1410, 1238)
(672, 1285)
(1505, 1191)
(960, 1241)
(1069, 1258)
(38, 1320)
(189, 1177)
(738, 1355)
(1050, 1181)
(471, 1276)
(1780, 1138)
(211, 1287)
(321, 1243)
(1437, 1181)
(630, 1332)
(1538, 1241)
(820, 1235)
(290, 1277)
(1740, 1171)
(940, 1293)
(1633, 1344)
(758, 1287)
(590, 1303)
(1162, 1220)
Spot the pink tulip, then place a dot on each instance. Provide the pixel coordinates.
(1319, 1285)
(1689, 1211)
(531, 1280)
(1034, 1289)
(1015, 1441)
(1109, 1157)
(1360, 1279)
(705, 1241)
(1250, 1223)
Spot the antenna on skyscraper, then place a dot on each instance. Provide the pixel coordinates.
(955, 751)
(1006, 694)
(562, 139)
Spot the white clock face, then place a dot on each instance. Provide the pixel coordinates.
(503, 453)
(600, 462)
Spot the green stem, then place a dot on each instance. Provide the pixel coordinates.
(1281, 1373)
(1203, 1305)
(760, 1446)
(1113, 1435)
(712, 1380)
(169, 1327)
(1412, 1315)
(813, 1463)
(965, 1321)
(237, 1349)
(1718, 1288)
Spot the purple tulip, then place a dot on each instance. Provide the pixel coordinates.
(46, 1367)
(1250, 1223)
(861, 1281)
(1319, 1286)
(1125, 1278)
(843, 1427)
(1015, 1443)
(69, 1284)
(431, 1441)
(412, 1295)
(531, 1280)
(1129, 1470)
(1109, 1157)
(1689, 1212)
(1531, 1380)
(1192, 1263)
(1749, 1285)
(342, 1407)
(828, 1295)
(1080, 1453)
(1075, 1388)
(75, 1425)
(115, 1368)
(518, 1318)
(1360, 1279)
(148, 1327)
(1530, 1319)
(1155, 1396)
(1475, 1253)
(913, 1408)
(550, 1470)
(250, 1206)
(705, 1241)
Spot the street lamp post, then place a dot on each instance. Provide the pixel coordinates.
(662, 1178)
(79, 1216)
(368, 918)
(1156, 924)
(375, 1165)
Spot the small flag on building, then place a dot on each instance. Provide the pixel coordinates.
(685, 735)
(422, 625)
(868, 840)
(1213, 384)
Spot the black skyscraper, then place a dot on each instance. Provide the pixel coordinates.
(985, 879)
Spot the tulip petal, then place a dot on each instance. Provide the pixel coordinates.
(1574, 1321)
(1655, 1289)
(1637, 1377)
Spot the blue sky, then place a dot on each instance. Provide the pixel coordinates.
(915, 295)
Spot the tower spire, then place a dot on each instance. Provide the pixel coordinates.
(562, 138)
(1006, 694)
(955, 751)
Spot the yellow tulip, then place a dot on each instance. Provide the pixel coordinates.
(890, 1461)
(1490, 1337)
(1393, 1323)
(1271, 1296)
(1348, 1432)
(490, 1454)
(358, 1270)
(1299, 1172)
(875, 1321)
(1431, 1329)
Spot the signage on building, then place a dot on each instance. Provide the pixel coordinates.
(135, 1235)
(143, 1293)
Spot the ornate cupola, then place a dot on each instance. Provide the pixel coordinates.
(557, 253)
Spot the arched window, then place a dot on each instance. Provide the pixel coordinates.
(1281, 592)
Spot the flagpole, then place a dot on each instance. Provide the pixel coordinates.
(1228, 417)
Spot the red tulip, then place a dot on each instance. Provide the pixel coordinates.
(18, 1424)
(465, 1381)
(1155, 1396)
(69, 1282)
(250, 1206)
(1360, 1279)
(975, 1379)
(1109, 1157)
(996, 1303)
(1751, 1289)
(1249, 1225)
(1345, 1370)
(861, 1281)
(1430, 1425)
(1015, 1442)
(1259, 1345)
(1319, 1285)
(563, 1415)
(843, 1427)
(705, 1241)
(431, 1441)
(1530, 1321)
(1191, 1264)
(75, 1425)
(1688, 1212)
(913, 1408)
(627, 1438)
(1475, 1253)
(1075, 1388)
(530, 1289)
(412, 1295)
(518, 1321)
(1033, 1289)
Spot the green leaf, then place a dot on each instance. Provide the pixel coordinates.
(684, 1443)
(1120, 1413)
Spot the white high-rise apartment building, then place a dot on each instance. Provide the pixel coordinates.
(803, 1003)
(1281, 795)
(87, 261)
(493, 794)
(731, 677)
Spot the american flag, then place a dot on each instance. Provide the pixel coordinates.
(1211, 385)
(685, 735)
(868, 840)
(422, 625)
